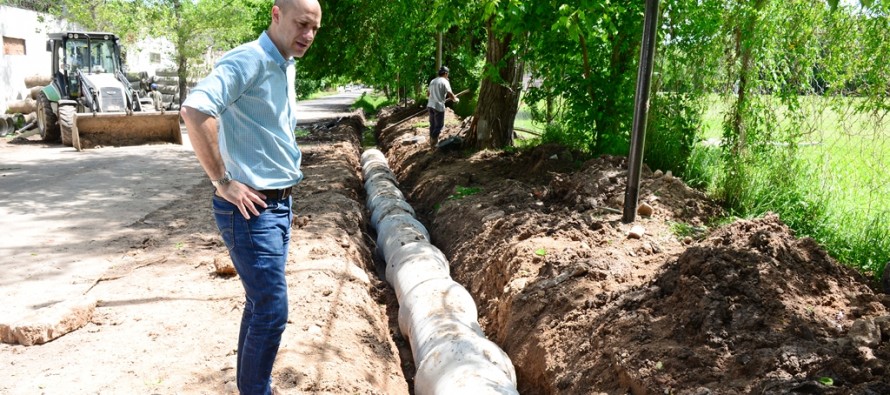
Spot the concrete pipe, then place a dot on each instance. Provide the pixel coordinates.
(471, 365)
(397, 230)
(376, 167)
(416, 255)
(400, 236)
(373, 161)
(416, 270)
(23, 106)
(374, 155)
(383, 190)
(437, 314)
(385, 175)
(34, 92)
(7, 125)
(40, 80)
(437, 311)
(390, 206)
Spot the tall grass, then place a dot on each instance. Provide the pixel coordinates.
(829, 180)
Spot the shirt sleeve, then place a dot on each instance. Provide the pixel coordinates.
(228, 80)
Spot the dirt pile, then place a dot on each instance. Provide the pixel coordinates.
(536, 237)
(750, 309)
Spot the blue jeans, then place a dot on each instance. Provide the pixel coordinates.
(258, 248)
(437, 121)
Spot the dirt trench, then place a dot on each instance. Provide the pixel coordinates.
(689, 308)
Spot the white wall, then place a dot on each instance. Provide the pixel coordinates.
(32, 27)
(138, 56)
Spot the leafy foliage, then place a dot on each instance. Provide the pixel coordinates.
(760, 63)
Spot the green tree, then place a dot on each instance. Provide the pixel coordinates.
(501, 84)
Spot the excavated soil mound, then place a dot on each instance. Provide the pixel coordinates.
(750, 309)
(581, 307)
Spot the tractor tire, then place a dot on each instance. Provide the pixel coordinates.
(66, 121)
(47, 121)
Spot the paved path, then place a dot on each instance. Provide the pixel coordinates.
(330, 107)
(61, 210)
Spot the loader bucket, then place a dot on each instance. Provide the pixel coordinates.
(118, 129)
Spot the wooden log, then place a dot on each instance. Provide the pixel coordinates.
(37, 80)
(169, 89)
(523, 130)
(22, 106)
(167, 73)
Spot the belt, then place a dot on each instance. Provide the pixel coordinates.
(277, 194)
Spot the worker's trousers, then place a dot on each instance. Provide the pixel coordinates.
(437, 122)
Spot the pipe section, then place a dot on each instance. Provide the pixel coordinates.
(437, 314)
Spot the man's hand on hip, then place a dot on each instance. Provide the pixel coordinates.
(243, 197)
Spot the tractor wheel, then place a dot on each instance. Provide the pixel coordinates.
(47, 121)
(66, 120)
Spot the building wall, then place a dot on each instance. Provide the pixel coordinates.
(150, 55)
(31, 27)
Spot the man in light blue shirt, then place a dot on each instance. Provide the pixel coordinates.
(241, 120)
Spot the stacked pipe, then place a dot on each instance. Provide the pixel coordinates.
(436, 313)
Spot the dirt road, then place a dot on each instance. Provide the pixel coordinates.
(57, 205)
(129, 228)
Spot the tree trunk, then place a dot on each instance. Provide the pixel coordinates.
(492, 125)
(182, 37)
(741, 35)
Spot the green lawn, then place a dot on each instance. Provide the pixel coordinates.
(844, 161)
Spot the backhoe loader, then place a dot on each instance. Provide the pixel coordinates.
(90, 102)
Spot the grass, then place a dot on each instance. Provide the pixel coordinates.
(320, 94)
(372, 103)
(524, 120)
(833, 186)
(461, 192)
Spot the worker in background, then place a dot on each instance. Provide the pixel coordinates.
(156, 98)
(439, 90)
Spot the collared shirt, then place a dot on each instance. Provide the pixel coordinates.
(251, 94)
(439, 88)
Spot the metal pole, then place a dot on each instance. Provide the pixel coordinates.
(641, 109)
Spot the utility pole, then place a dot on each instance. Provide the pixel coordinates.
(641, 110)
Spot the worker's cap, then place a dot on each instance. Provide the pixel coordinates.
(154, 86)
(443, 70)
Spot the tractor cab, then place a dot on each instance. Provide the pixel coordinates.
(84, 63)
